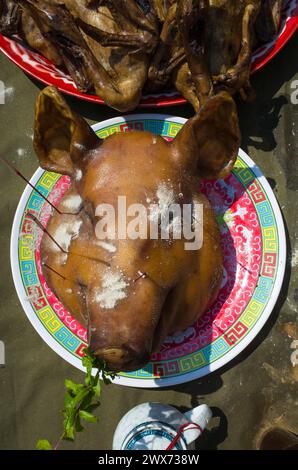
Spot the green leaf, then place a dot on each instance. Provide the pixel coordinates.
(80, 396)
(69, 430)
(80, 399)
(68, 400)
(95, 382)
(87, 401)
(92, 407)
(69, 433)
(88, 362)
(69, 423)
(89, 417)
(43, 444)
(78, 425)
(73, 387)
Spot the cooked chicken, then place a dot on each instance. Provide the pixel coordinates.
(218, 39)
(120, 47)
(268, 21)
(101, 46)
(34, 37)
(10, 15)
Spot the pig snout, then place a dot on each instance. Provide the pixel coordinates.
(127, 358)
(123, 336)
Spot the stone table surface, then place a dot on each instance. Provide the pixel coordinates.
(254, 392)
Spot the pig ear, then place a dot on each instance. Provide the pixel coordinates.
(61, 137)
(211, 139)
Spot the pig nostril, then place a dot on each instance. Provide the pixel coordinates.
(123, 359)
(110, 353)
(135, 358)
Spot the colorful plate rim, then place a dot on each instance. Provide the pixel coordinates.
(167, 381)
(260, 58)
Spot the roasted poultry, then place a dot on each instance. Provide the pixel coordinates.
(218, 38)
(120, 47)
(10, 16)
(132, 292)
(102, 48)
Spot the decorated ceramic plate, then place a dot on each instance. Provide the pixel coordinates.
(253, 242)
(39, 67)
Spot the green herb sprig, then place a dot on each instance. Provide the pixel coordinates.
(80, 400)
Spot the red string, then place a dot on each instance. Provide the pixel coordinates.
(181, 431)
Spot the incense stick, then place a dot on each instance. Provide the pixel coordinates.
(39, 224)
(63, 277)
(18, 173)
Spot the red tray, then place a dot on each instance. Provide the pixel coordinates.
(42, 69)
